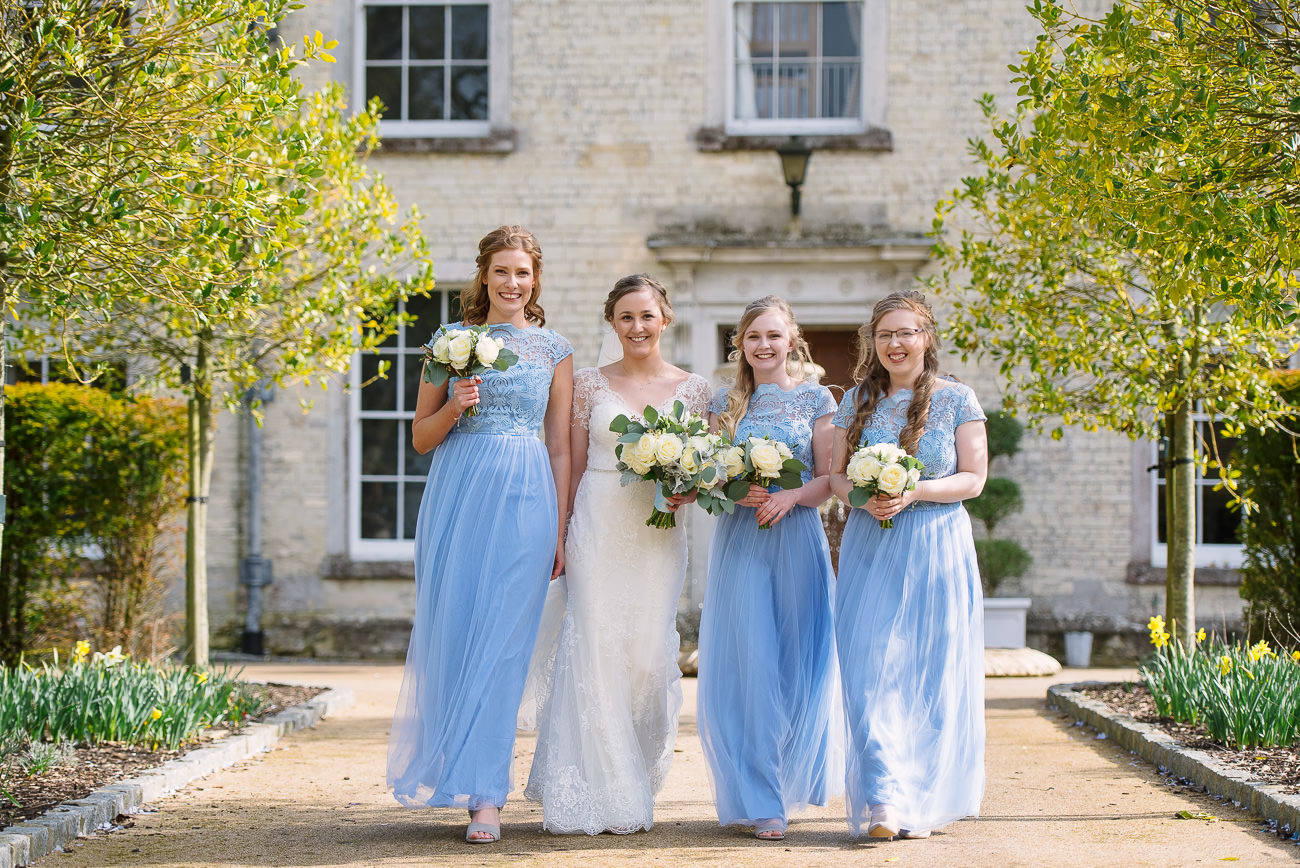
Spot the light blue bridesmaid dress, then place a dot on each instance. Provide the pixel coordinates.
(484, 548)
(909, 625)
(767, 651)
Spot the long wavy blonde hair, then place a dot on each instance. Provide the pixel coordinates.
(798, 364)
(474, 301)
(873, 379)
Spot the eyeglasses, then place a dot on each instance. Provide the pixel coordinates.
(904, 335)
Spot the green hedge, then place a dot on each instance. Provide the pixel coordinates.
(85, 469)
(1270, 474)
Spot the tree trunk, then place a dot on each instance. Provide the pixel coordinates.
(196, 527)
(1180, 512)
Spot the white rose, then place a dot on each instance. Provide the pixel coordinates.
(703, 445)
(459, 348)
(766, 457)
(486, 349)
(440, 349)
(640, 456)
(734, 461)
(888, 453)
(893, 479)
(913, 477)
(863, 469)
(668, 450)
(786, 454)
(690, 460)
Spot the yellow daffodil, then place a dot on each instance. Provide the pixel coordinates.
(201, 677)
(155, 714)
(1200, 635)
(1260, 650)
(1295, 655)
(1159, 640)
(1225, 664)
(81, 651)
(1249, 674)
(1156, 624)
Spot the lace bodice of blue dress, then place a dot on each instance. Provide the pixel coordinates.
(781, 415)
(952, 404)
(514, 401)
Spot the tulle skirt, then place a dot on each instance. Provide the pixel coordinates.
(910, 632)
(767, 667)
(607, 682)
(484, 548)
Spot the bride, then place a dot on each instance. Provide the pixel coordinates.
(607, 690)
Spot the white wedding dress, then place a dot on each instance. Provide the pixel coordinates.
(606, 689)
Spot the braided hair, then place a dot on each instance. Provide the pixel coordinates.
(873, 378)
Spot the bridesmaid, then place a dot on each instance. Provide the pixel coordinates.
(486, 543)
(909, 617)
(767, 670)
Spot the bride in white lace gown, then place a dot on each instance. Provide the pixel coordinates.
(608, 689)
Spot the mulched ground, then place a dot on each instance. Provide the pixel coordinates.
(1266, 765)
(94, 766)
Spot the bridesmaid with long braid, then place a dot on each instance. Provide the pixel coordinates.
(909, 613)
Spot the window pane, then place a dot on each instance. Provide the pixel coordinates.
(414, 491)
(416, 464)
(754, 29)
(426, 93)
(427, 311)
(379, 394)
(428, 33)
(793, 100)
(414, 363)
(379, 510)
(469, 32)
(840, 93)
(796, 37)
(469, 100)
(1218, 522)
(840, 29)
(383, 33)
(385, 82)
(379, 446)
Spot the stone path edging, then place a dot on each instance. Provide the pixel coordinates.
(1158, 748)
(31, 839)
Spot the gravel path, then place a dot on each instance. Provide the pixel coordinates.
(1056, 795)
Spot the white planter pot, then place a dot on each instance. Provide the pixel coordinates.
(1004, 621)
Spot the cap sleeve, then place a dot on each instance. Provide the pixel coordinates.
(718, 405)
(968, 406)
(849, 404)
(825, 402)
(695, 394)
(561, 349)
(586, 383)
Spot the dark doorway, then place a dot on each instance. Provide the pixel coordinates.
(836, 350)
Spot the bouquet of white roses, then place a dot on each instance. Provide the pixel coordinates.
(675, 451)
(465, 353)
(765, 462)
(882, 468)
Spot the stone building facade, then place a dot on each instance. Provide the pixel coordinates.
(641, 136)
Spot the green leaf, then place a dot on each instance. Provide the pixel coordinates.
(436, 374)
(619, 424)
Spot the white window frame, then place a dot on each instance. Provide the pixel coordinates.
(364, 549)
(498, 61)
(1218, 555)
(873, 42)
